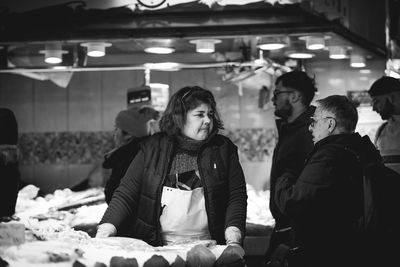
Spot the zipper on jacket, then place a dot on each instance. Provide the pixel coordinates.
(159, 192)
(205, 189)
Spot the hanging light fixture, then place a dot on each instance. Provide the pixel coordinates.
(300, 55)
(158, 46)
(205, 45)
(357, 61)
(272, 42)
(96, 49)
(337, 52)
(314, 42)
(298, 51)
(53, 53)
(159, 50)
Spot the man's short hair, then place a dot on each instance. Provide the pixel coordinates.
(384, 85)
(300, 81)
(343, 109)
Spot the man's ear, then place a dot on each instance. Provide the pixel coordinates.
(295, 96)
(332, 125)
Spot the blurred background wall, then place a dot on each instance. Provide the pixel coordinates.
(64, 132)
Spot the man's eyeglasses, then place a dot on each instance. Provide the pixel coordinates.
(314, 120)
(277, 93)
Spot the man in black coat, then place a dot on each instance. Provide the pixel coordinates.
(291, 98)
(326, 200)
(9, 170)
(131, 127)
(385, 94)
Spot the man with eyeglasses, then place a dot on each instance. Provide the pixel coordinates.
(327, 198)
(385, 93)
(292, 97)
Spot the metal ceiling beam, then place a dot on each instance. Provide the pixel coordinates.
(68, 24)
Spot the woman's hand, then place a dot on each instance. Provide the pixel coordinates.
(106, 230)
(233, 236)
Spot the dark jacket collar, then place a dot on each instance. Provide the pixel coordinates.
(361, 145)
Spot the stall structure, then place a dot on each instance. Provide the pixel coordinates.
(59, 228)
(76, 45)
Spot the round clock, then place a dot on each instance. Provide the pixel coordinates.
(151, 3)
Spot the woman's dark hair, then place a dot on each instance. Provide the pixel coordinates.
(187, 98)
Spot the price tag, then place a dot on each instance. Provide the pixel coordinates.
(12, 233)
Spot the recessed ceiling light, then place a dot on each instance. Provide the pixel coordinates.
(357, 61)
(96, 49)
(365, 71)
(315, 43)
(337, 52)
(271, 46)
(300, 55)
(53, 53)
(205, 45)
(337, 56)
(159, 50)
(272, 42)
(357, 65)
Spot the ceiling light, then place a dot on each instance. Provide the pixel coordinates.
(357, 61)
(337, 52)
(298, 51)
(300, 55)
(96, 49)
(205, 45)
(272, 42)
(365, 71)
(159, 50)
(53, 53)
(271, 46)
(314, 43)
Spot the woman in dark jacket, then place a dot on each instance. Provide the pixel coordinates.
(186, 183)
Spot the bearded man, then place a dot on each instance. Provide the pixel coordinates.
(292, 97)
(385, 94)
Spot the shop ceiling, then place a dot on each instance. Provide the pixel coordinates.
(240, 29)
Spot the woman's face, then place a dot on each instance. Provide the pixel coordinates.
(199, 122)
